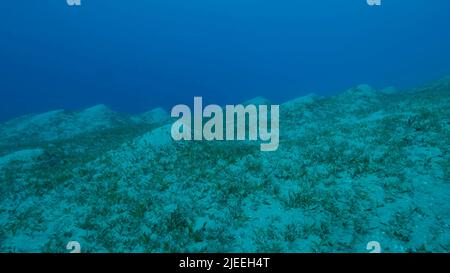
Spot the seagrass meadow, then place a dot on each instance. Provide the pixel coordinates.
(364, 165)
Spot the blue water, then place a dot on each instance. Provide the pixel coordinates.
(136, 55)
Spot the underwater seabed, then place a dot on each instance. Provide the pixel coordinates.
(362, 166)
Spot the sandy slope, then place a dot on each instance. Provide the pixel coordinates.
(362, 166)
